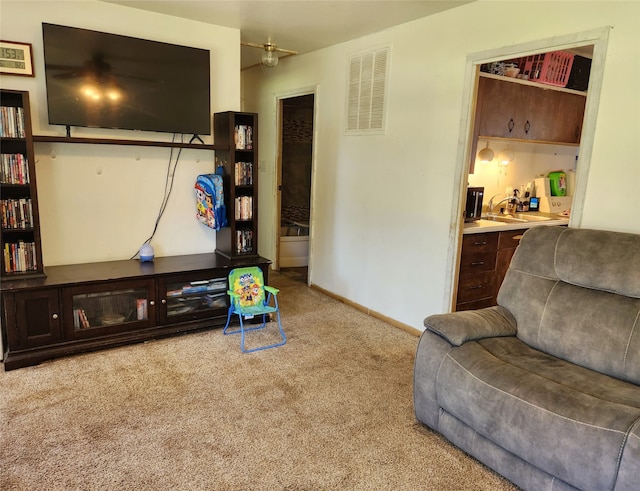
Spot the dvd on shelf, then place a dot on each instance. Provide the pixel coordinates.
(20, 257)
(243, 137)
(12, 122)
(244, 241)
(244, 173)
(244, 208)
(16, 214)
(14, 169)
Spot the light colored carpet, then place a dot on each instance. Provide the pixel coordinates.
(332, 409)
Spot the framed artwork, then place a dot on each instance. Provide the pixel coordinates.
(16, 59)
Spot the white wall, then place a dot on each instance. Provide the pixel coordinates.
(530, 160)
(381, 221)
(100, 202)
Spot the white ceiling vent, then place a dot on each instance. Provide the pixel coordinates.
(366, 103)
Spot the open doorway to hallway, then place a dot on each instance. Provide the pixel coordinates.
(294, 190)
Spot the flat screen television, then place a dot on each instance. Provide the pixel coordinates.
(101, 80)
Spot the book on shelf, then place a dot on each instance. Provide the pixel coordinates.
(14, 168)
(243, 137)
(142, 309)
(244, 208)
(244, 241)
(244, 173)
(20, 257)
(12, 122)
(80, 320)
(16, 214)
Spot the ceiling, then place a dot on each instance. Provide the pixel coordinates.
(299, 25)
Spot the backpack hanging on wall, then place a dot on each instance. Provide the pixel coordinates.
(210, 201)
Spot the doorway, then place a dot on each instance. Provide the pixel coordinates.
(520, 155)
(294, 188)
(594, 42)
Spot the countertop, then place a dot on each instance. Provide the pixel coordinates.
(481, 226)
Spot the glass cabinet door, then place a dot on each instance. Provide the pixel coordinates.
(186, 297)
(122, 307)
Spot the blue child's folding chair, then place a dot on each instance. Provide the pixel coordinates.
(248, 299)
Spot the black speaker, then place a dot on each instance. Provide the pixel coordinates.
(579, 77)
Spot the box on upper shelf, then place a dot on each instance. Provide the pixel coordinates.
(552, 68)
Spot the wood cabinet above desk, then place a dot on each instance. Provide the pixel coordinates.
(511, 110)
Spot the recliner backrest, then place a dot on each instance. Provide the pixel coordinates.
(575, 294)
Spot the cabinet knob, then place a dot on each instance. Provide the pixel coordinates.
(527, 127)
(55, 316)
(164, 301)
(511, 125)
(152, 302)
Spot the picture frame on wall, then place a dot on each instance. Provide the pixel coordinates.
(16, 59)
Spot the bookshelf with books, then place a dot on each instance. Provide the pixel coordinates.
(238, 131)
(21, 250)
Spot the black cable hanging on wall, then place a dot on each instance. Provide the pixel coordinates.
(146, 250)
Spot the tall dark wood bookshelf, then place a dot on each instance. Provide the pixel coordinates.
(20, 226)
(238, 131)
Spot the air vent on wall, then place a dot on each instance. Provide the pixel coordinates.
(366, 103)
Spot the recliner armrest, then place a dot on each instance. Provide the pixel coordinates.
(471, 325)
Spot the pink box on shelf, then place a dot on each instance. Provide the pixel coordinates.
(551, 68)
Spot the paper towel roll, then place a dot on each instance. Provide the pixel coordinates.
(542, 187)
(571, 182)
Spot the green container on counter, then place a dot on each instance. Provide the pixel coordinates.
(558, 183)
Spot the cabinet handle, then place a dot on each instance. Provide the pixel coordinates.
(477, 287)
(152, 302)
(480, 243)
(477, 263)
(55, 316)
(511, 125)
(527, 127)
(516, 237)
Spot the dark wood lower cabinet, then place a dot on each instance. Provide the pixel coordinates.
(483, 264)
(39, 312)
(86, 307)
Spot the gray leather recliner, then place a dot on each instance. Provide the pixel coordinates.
(545, 387)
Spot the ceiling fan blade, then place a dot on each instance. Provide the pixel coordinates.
(288, 51)
(273, 47)
(253, 45)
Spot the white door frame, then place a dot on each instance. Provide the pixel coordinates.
(596, 37)
(279, 98)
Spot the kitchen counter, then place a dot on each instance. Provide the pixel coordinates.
(482, 225)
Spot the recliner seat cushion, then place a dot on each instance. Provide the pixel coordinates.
(555, 415)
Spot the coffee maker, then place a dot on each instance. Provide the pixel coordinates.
(473, 208)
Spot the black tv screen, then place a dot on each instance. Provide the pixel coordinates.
(101, 80)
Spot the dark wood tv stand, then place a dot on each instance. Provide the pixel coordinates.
(85, 307)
